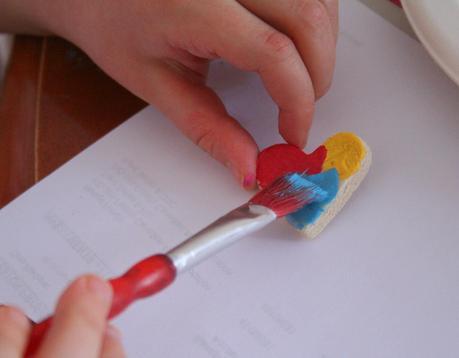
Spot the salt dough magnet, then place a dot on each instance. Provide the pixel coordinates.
(338, 166)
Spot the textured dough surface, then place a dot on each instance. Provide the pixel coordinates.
(345, 152)
(347, 188)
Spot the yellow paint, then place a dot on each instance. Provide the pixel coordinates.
(345, 151)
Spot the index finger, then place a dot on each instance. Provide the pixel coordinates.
(251, 44)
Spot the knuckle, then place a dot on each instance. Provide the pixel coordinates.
(311, 13)
(202, 134)
(206, 141)
(278, 46)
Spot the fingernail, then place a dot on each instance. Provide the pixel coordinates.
(113, 332)
(100, 287)
(249, 181)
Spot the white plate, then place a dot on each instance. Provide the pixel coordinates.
(436, 23)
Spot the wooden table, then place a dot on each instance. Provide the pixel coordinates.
(55, 102)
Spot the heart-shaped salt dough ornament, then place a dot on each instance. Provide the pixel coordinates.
(338, 167)
(280, 159)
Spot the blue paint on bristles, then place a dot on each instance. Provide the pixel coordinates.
(288, 194)
(309, 214)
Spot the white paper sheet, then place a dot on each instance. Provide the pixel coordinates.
(381, 281)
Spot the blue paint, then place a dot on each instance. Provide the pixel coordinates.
(302, 182)
(329, 182)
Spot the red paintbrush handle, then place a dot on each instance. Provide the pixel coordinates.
(143, 279)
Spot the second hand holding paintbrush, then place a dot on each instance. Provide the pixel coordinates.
(284, 196)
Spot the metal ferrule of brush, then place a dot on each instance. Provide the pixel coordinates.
(220, 234)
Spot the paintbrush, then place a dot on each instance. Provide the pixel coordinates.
(284, 196)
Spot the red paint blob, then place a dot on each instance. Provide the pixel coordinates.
(281, 159)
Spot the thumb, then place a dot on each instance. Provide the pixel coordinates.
(200, 114)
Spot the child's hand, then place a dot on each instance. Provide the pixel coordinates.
(159, 49)
(79, 327)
